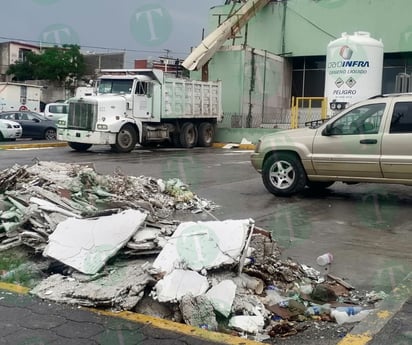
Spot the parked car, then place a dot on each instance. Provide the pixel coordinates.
(367, 142)
(34, 125)
(10, 130)
(56, 111)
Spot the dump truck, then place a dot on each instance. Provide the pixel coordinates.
(143, 106)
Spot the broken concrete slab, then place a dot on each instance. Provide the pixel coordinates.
(87, 244)
(179, 283)
(247, 323)
(120, 288)
(198, 312)
(204, 245)
(222, 296)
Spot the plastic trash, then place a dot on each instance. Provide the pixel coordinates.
(351, 310)
(342, 317)
(272, 296)
(306, 289)
(318, 309)
(324, 259)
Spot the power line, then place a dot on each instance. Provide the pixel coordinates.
(312, 23)
(93, 47)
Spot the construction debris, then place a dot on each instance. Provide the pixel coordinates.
(87, 244)
(221, 296)
(204, 245)
(35, 199)
(198, 311)
(118, 245)
(174, 286)
(118, 288)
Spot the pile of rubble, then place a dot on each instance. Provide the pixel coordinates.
(121, 247)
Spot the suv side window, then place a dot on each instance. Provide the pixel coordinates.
(401, 121)
(362, 120)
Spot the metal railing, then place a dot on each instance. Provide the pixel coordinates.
(306, 109)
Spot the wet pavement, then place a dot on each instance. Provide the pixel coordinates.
(398, 330)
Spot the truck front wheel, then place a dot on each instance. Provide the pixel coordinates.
(206, 134)
(126, 139)
(79, 146)
(283, 174)
(188, 135)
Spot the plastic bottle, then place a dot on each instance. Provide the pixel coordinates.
(351, 310)
(342, 317)
(318, 309)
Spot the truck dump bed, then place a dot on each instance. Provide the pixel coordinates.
(191, 99)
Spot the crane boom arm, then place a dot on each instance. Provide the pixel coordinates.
(212, 43)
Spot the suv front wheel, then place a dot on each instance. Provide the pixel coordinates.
(283, 174)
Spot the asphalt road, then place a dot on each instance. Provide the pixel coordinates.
(366, 227)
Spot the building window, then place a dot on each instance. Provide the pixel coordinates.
(23, 54)
(308, 76)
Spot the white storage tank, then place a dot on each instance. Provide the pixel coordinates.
(354, 66)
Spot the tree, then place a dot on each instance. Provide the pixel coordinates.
(54, 64)
(24, 70)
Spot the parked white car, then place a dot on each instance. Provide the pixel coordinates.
(10, 130)
(56, 111)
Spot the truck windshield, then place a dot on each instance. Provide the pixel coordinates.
(115, 86)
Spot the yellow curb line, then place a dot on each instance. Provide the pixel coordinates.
(14, 288)
(154, 322)
(28, 146)
(355, 339)
(179, 328)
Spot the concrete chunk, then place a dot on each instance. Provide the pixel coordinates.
(204, 245)
(87, 244)
(178, 284)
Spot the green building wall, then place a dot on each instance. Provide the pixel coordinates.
(305, 27)
(291, 31)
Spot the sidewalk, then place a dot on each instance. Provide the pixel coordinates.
(25, 320)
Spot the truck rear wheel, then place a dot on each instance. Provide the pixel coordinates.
(188, 135)
(79, 146)
(206, 134)
(126, 139)
(283, 174)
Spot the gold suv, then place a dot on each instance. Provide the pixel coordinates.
(371, 141)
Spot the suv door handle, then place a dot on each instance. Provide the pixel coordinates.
(368, 141)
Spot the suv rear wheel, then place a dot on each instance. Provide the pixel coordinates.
(283, 174)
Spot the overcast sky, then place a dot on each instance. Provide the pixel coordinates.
(144, 28)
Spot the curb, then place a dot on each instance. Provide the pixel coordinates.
(63, 144)
(154, 322)
(31, 145)
(374, 322)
